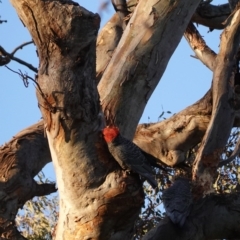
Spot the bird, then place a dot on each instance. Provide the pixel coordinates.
(128, 155)
(177, 201)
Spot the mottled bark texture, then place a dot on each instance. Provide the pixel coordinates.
(20, 160)
(97, 199)
(91, 187)
(212, 16)
(140, 60)
(223, 113)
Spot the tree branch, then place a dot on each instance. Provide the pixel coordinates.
(20, 47)
(3, 21)
(106, 46)
(219, 128)
(206, 14)
(10, 56)
(170, 139)
(213, 217)
(138, 63)
(206, 55)
(21, 159)
(212, 16)
(43, 189)
(233, 4)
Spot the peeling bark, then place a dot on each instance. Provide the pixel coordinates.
(199, 46)
(20, 160)
(219, 128)
(91, 184)
(170, 140)
(97, 199)
(140, 60)
(106, 45)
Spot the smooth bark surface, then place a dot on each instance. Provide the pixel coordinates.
(140, 59)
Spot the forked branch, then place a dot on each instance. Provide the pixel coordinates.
(223, 113)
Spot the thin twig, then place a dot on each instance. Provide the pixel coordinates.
(25, 78)
(3, 21)
(5, 53)
(20, 47)
(30, 66)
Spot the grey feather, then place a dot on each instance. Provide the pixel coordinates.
(130, 157)
(177, 201)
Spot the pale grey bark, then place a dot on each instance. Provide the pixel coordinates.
(215, 139)
(97, 199)
(202, 51)
(140, 61)
(21, 159)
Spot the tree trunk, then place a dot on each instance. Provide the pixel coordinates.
(98, 200)
(90, 188)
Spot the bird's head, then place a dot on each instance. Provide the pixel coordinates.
(110, 133)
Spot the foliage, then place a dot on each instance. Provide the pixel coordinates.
(229, 175)
(152, 211)
(38, 218)
(227, 181)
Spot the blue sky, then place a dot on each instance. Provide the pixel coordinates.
(185, 80)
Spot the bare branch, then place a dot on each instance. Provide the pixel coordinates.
(21, 47)
(233, 4)
(25, 77)
(222, 119)
(43, 189)
(4, 60)
(170, 140)
(212, 16)
(30, 66)
(199, 46)
(3, 21)
(138, 63)
(10, 56)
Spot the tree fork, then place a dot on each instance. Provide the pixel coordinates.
(97, 200)
(91, 185)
